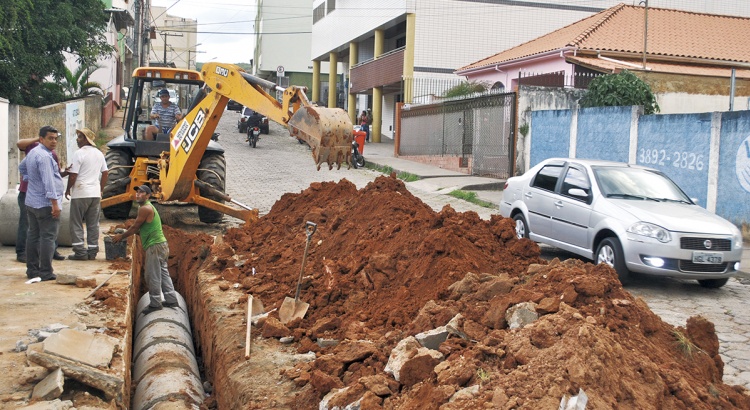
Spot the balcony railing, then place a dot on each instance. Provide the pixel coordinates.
(385, 70)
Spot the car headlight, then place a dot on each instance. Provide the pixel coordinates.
(737, 239)
(650, 231)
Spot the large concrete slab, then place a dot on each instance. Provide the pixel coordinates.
(91, 349)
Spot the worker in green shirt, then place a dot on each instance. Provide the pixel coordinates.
(148, 225)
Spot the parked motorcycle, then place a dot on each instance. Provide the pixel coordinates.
(358, 161)
(253, 135)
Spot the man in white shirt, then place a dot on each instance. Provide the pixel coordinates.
(87, 177)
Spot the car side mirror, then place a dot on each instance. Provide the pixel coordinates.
(578, 192)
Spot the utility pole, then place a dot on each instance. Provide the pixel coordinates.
(165, 34)
(645, 32)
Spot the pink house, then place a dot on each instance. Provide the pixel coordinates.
(684, 53)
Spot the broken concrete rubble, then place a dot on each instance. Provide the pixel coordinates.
(521, 315)
(51, 387)
(109, 384)
(56, 404)
(89, 349)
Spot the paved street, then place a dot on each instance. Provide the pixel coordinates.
(260, 176)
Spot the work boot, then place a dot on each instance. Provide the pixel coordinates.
(170, 305)
(92, 256)
(78, 257)
(58, 257)
(21, 258)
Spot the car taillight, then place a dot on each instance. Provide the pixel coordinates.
(242, 119)
(506, 185)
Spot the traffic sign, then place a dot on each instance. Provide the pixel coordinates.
(280, 71)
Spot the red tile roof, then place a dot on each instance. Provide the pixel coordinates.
(619, 31)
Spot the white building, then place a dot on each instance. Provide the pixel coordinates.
(283, 40)
(175, 41)
(408, 50)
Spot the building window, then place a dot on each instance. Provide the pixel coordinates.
(331, 5)
(319, 12)
(401, 42)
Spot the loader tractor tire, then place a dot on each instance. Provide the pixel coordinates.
(119, 163)
(212, 170)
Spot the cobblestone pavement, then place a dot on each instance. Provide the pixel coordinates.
(259, 176)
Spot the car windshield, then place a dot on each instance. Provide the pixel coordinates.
(247, 112)
(636, 183)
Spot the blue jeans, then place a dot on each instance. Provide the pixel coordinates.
(40, 242)
(23, 226)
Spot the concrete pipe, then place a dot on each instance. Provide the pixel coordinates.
(165, 370)
(9, 222)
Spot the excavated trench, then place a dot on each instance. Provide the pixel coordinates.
(383, 267)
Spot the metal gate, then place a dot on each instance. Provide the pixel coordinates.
(478, 130)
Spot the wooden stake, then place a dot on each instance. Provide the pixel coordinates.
(102, 284)
(249, 323)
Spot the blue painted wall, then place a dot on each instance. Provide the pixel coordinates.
(678, 145)
(550, 136)
(733, 196)
(604, 133)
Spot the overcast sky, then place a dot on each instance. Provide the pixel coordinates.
(225, 27)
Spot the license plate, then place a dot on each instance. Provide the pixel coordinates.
(708, 257)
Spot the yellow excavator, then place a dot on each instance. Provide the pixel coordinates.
(186, 165)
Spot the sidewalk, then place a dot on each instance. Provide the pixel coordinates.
(433, 178)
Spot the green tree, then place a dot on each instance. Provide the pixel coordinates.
(76, 83)
(34, 34)
(621, 89)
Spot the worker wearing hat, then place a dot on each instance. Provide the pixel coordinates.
(87, 176)
(148, 226)
(165, 114)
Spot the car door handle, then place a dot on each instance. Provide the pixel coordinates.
(527, 194)
(559, 204)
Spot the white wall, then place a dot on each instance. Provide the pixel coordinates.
(292, 49)
(4, 165)
(682, 103)
(352, 19)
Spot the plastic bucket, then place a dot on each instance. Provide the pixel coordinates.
(113, 250)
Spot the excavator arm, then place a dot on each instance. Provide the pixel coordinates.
(328, 131)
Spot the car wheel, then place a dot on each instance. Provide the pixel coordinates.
(713, 283)
(610, 252)
(522, 228)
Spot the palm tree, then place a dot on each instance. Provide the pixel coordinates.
(76, 84)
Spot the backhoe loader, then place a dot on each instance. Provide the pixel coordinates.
(186, 165)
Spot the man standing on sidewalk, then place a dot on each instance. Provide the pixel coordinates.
(148, 226)
(26, 145)
(43, 204)
(86, 179)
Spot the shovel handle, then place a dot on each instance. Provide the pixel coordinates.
(310, 228)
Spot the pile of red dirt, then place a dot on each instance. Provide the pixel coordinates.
(383, 266)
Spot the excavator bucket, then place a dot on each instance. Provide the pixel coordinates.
(328, 132)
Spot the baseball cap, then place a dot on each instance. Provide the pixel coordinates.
(143, 188)
(88, 134)
(164, 92)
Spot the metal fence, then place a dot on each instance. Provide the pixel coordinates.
(479, 131)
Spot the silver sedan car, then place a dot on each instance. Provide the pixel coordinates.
(630, 217)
